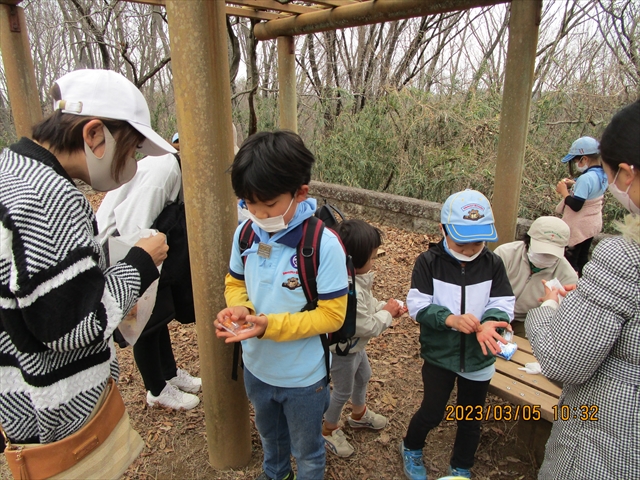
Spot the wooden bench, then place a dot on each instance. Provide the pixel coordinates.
(520, 388)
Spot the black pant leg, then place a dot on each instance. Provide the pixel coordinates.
(167, 360)
(474, 394)
(438, 384)
(146, 352)
(583, 254)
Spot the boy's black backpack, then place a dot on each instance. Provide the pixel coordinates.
(308, 252)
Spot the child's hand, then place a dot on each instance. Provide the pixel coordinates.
(236, 314)
(394, 308)
(562, 188)
(488, 337)
(467, 323)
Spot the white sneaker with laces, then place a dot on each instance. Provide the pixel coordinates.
(337, 443)
(171, 397)
(186, 382)
(370, 419)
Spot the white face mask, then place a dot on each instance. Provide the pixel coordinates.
(623, 197)
(542, 260)
(583, 168)
(100, 168)
(271, 224)
(458, 256)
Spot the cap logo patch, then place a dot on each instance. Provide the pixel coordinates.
(473, 212)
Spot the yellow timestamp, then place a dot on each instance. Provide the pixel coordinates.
(585, 413)
(495, 412)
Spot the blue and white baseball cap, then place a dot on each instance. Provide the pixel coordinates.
(175, 138)
(582, 146)
(468, 217)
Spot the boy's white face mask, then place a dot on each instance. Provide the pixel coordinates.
(101, 168)
(271, 224)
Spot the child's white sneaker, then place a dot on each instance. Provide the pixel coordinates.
(172, 397)
(186, 382)
(337, 443)
(370, 419)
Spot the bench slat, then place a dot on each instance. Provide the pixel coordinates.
(538, 382)
(520, 394)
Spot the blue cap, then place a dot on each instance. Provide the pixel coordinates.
(582, 146)
(175, 138)
(468, 217)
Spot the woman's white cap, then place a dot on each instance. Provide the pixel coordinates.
(107, 94)
(549, 235)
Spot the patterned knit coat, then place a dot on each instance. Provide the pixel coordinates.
(58, 305)
(591, 343)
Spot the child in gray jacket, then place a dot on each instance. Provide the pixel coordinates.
(351, 373)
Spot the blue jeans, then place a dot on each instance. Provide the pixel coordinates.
(289, 421)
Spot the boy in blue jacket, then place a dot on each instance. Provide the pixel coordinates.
(284, 365)
(460, 295)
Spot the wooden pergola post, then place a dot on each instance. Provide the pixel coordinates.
(514, 118)
(18, 68)
(287, 98)
(202, 91)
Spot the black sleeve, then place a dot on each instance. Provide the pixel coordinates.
(575, 203)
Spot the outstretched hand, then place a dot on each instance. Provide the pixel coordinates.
(552, 293)
(488, 337)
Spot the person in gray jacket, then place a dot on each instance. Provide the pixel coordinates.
(351, 372)
(540, 256)
(591, 341)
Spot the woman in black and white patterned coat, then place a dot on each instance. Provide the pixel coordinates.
(59, 305)
(591, 341)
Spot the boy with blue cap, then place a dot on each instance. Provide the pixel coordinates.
(581, 207)
(460, 295)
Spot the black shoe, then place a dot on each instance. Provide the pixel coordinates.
(290, 476)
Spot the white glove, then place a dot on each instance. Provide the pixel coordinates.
(533, 368)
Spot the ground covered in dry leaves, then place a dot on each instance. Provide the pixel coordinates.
(176, 441)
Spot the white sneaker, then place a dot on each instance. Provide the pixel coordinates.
(370, 419)
(186, 382)
(171, 397)
(337, 443)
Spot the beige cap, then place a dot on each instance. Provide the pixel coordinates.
(549, 235)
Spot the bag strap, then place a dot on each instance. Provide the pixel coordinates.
(245, 240)
(308, 264)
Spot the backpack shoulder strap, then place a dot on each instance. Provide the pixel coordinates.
(308, 253)
(246, 238)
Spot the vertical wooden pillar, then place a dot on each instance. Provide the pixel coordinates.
(287, 99)
(18, 68)
(198, 37)
(514, 119)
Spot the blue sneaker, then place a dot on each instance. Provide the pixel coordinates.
(459, 472)
(413, 464)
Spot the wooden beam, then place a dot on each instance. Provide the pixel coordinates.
(524, 24)
(362, 13)
(18, 69)
(334, 3)
(160, 3)
(253, 13)
(287, 99)
(198, 36)
(274, 5)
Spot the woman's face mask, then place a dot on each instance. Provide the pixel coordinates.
(542, 260)
(623, 197)
(101, 168)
